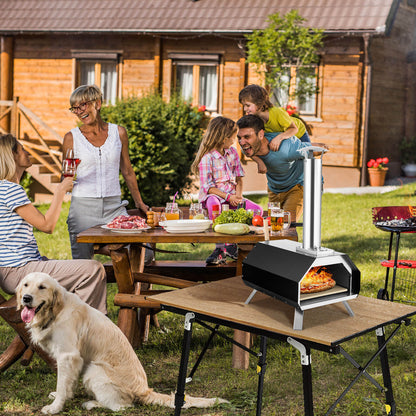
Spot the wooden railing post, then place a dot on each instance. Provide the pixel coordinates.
(14, 119)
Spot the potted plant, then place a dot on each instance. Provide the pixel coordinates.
(377, 170)
(408, 152)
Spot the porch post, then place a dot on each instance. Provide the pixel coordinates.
(6, 76)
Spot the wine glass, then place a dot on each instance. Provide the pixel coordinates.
(70, 157)
(69, 168)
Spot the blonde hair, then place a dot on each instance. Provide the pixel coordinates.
(219, 129)
(8, 148)
(256, 95)
(85, 93)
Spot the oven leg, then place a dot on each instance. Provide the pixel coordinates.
(298, 320)
(261, 370)
(186, 346)
(396, 256)
(390, 403)
(305, 359)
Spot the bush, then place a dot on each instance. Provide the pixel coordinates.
(408, 150)
(163, 139)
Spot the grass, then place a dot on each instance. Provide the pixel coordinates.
(346, 227)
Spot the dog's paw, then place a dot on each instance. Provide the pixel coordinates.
(90, 405)
(51, 409)
(52, 395)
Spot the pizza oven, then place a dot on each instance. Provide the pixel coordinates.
(278, 267)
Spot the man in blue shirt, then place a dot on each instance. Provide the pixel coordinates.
(284, 166)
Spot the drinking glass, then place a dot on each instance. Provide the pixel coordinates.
(271, 205)
(196, 211)
(279, 220)
(172, 211)
(69, 156)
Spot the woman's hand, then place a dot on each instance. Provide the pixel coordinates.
(66, 185)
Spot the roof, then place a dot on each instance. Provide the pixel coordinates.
(179, 16)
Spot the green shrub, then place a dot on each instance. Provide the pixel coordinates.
(163, 139)
(408, 150)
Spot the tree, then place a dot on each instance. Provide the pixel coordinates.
(284, 44)
(163, 140)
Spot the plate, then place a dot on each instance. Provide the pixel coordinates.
(186, 226)
(126, 230)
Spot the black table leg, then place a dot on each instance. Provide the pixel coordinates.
(186, 345)
(305, 359)
(390, 403)
(261, 370)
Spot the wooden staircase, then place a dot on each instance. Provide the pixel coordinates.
(42, 142)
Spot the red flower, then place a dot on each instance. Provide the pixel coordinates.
(201, 108)
(379, 163)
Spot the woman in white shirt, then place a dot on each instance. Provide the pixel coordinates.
(19, 253)
(103, 150)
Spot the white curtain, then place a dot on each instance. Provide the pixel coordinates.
(109, 82)
(208, 87)
(184, 80)
(87, 73)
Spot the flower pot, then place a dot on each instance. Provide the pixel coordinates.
(377, 176)
(409, 170)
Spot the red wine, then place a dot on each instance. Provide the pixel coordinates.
(73, 162)
(67, 174)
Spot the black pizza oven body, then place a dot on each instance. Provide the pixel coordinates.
(277, 268)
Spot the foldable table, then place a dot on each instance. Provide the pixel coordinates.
(325, 328)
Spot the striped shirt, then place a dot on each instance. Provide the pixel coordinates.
(218, 171)
(18, 245)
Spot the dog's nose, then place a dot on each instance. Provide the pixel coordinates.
(27, 298)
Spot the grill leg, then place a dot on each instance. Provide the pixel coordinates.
(298, 320)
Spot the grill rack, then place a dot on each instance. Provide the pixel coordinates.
(404, 271)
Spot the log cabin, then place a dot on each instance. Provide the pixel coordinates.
(366, 80)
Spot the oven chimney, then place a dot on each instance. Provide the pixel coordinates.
(312, 202)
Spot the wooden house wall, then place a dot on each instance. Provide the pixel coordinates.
(44, 79)
(393, 89)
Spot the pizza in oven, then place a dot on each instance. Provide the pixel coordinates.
(317, 279)
(127, 222)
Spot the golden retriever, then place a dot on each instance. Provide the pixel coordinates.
(85, 342)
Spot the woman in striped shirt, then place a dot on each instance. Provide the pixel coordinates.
(19, 253)
(221, 177)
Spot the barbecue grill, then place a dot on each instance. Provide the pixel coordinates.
(278, 267)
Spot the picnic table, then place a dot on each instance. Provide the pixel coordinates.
(127, 256)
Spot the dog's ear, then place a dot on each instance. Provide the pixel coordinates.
(57, 303)
(19, 296)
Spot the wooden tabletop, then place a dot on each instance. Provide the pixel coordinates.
(326, 325)
(99, 235)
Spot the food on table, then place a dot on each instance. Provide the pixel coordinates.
(257, 221)
(239, 215)
(234, 228)
(153, 218)
(198, 217)
(317, 279)
(128, 222)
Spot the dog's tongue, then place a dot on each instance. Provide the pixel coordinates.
(27, 314)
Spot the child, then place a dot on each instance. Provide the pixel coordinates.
(221, 177)
(255, 100)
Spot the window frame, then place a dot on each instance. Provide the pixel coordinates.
(198, 60)
(98, 57)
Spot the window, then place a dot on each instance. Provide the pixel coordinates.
(195, 77)
(100, 68)
(291, 79)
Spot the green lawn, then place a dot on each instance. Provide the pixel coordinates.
(346, 227)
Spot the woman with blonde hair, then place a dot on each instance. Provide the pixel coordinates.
(103, 149)
(19, 252)
(221, 177)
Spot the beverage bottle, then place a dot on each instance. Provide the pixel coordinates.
(215, 211)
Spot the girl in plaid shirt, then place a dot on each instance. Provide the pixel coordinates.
(221, 177)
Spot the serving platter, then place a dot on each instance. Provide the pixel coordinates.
(126, 230)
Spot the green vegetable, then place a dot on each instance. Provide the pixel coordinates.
(239, 215)
(234, 228)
